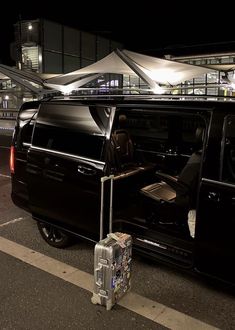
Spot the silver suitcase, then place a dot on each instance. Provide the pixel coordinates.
(112, 260)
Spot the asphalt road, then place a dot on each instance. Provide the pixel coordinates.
(32, 298)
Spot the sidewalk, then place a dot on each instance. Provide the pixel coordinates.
(34, 299)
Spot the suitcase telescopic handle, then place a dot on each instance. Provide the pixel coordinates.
(103, 179)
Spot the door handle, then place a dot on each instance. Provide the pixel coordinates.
(86, 170)
(213, 196)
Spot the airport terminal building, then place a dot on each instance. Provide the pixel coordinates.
(48, 48)
(222, 71)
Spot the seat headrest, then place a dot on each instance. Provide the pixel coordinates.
(122, 120)
(199, 135)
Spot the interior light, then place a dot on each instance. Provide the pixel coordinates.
(30, 26)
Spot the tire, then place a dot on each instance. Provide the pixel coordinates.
(53, 236)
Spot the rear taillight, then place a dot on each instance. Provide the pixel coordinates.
(12, 160)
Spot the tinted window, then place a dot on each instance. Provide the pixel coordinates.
(166, 130)
(87, 119)
(26, 120)
(228, 152)
(26, 132)
(72, 129)
(68, 141)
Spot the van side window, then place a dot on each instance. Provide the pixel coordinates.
(26, 120)
(162, 137)
(228, 152)
(71, 129)
(164, 132)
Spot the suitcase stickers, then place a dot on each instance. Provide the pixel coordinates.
(112, 260)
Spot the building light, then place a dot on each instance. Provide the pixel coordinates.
(30, 26)
(40, 58)
(233, 86)
(6, 97)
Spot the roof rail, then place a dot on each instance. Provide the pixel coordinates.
(147, 97)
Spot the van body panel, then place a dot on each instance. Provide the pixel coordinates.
(21, 141)
(64, 165)
(59, 192)
(64, 147)
(215, 244)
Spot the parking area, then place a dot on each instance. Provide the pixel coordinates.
(46, 288)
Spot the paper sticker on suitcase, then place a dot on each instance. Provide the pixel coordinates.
(112, 261)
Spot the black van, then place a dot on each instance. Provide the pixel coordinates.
(173, 163)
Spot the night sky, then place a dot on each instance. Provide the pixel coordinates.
(150, 27)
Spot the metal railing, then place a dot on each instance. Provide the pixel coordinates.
(9, 114)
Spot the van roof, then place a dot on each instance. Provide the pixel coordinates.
(203, 102)
(145, 97)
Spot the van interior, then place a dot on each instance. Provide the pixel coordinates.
(156, 159)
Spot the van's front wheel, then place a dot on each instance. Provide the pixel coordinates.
(53, 236)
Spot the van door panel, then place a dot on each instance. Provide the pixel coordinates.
(63, 194)
(64, 165)
(215, 243)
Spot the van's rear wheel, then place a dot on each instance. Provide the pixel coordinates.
(53, 236)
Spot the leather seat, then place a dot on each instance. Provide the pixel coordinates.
(123, 150)
(173, 197)
(124, 147)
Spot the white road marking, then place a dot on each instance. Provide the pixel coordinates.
(145, 307)
(5, 176)
(11, 221)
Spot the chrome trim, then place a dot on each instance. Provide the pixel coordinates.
(112, 114)
(152, 243)
(27, 144)
(96, 163)
(219, 183)
(21, 160)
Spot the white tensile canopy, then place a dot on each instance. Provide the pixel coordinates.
(3, 77)
(29, 80)
(153, 71)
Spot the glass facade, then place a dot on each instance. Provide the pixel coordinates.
(43, 46)
(215, 83)
(48, 47)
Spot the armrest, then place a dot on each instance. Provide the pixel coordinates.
(164, 177)
(172, 181)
